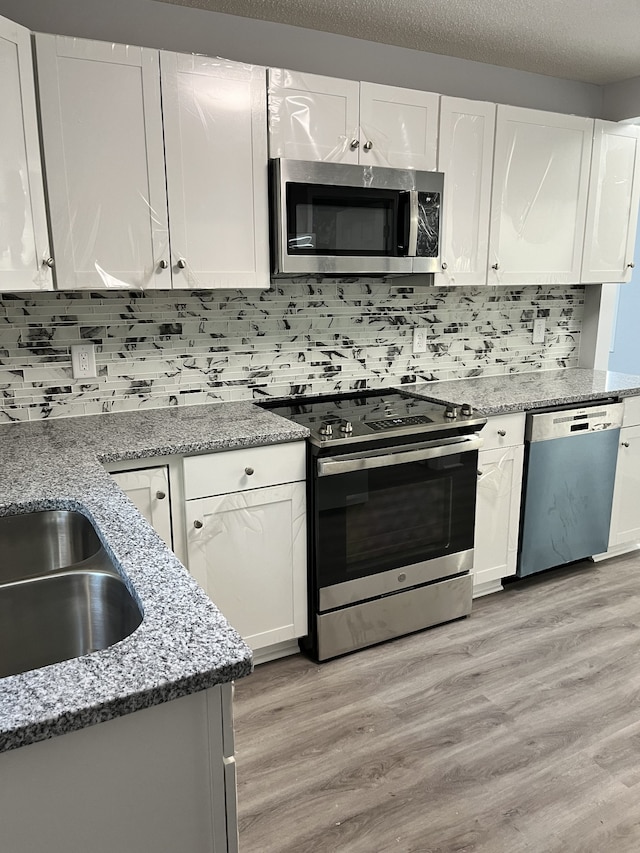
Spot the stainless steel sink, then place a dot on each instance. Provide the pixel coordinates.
(37, 543)
(58, 617)
(60, 594)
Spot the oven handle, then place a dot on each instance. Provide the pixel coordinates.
(364, 461)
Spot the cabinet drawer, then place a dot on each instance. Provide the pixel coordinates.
(503, 431)
(244, 468)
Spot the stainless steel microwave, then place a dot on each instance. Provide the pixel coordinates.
(337, 218)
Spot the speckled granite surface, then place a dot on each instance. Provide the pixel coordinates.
(184, 644)
(517, 392)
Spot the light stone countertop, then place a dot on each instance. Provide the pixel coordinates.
(184, 643)
(517, 392)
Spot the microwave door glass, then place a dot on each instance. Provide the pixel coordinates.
(345, 221)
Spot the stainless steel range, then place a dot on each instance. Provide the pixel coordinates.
(391, 509)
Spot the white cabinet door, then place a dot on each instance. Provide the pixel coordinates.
(148, 489)
(497, 513)
(248, 551)
(214, 114)
(625, 513)
(398, 127)
(539, 197)
(312, 117)
(24, 244)
(465, 155)
(103, 149)
(612, 210)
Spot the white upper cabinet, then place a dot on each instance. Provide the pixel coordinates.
(312, 117)
(398, 127)
(102, 133)
(612, 212)
(24, 244)
(323, 118)
(539, 197)
(215, 131)
(465, 155)
(107, 140)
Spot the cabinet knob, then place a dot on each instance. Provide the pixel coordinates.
(502, 432)
(355, 143)
(495, 266)
(197, 524)
(248, 471)
(444, 265)
(161, 496)
(181, 263)
(48, 262)
(479, 473)
(631, 265)
(163, 265)
(625, 444)
(368, 145)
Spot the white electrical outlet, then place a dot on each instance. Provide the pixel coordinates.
(83, 361)
(538, 331)
(420, 339)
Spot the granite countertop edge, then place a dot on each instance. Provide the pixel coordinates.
(184, 643)
(521, 392)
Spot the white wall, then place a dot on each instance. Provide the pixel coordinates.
(622, 100)
(157, 24)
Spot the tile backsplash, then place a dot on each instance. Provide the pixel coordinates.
(169, 348)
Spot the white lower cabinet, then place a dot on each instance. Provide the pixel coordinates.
(498, 502)
(247, 548)
(148, 489)
(160, 779)
(625, 512)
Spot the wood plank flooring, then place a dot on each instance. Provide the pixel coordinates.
(517, 729)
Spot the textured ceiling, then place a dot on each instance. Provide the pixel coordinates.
(594, 41)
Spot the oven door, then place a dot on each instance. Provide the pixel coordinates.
(390, 519)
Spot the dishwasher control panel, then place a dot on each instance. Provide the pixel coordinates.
(543, 426)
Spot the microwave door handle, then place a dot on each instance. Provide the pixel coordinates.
(412, 248)
(363, 461)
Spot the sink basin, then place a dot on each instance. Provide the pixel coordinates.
(57, 617)
(37, 543)
(60, 594)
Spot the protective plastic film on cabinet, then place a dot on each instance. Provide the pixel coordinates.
(215, 140)
(313, 117)
(25, 262)
(539, 198)
(103, 149)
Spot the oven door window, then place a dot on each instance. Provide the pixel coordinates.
(385, 518)
(346, 221)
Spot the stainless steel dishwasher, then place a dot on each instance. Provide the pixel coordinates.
(570, 463)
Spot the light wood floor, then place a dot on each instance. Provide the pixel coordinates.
(517, 729)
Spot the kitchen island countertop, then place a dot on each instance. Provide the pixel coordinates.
(184, 643)
(517, 392)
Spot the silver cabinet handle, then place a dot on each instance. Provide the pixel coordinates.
(161, 496)
(502, 432)
(163, 265)
(495, 266)
(355, 143)
(631, 265)
(181, 263)
(625, 444)
(48, 262)
(197, 524)
(444, 265)
(368, 145)
(249, 472)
